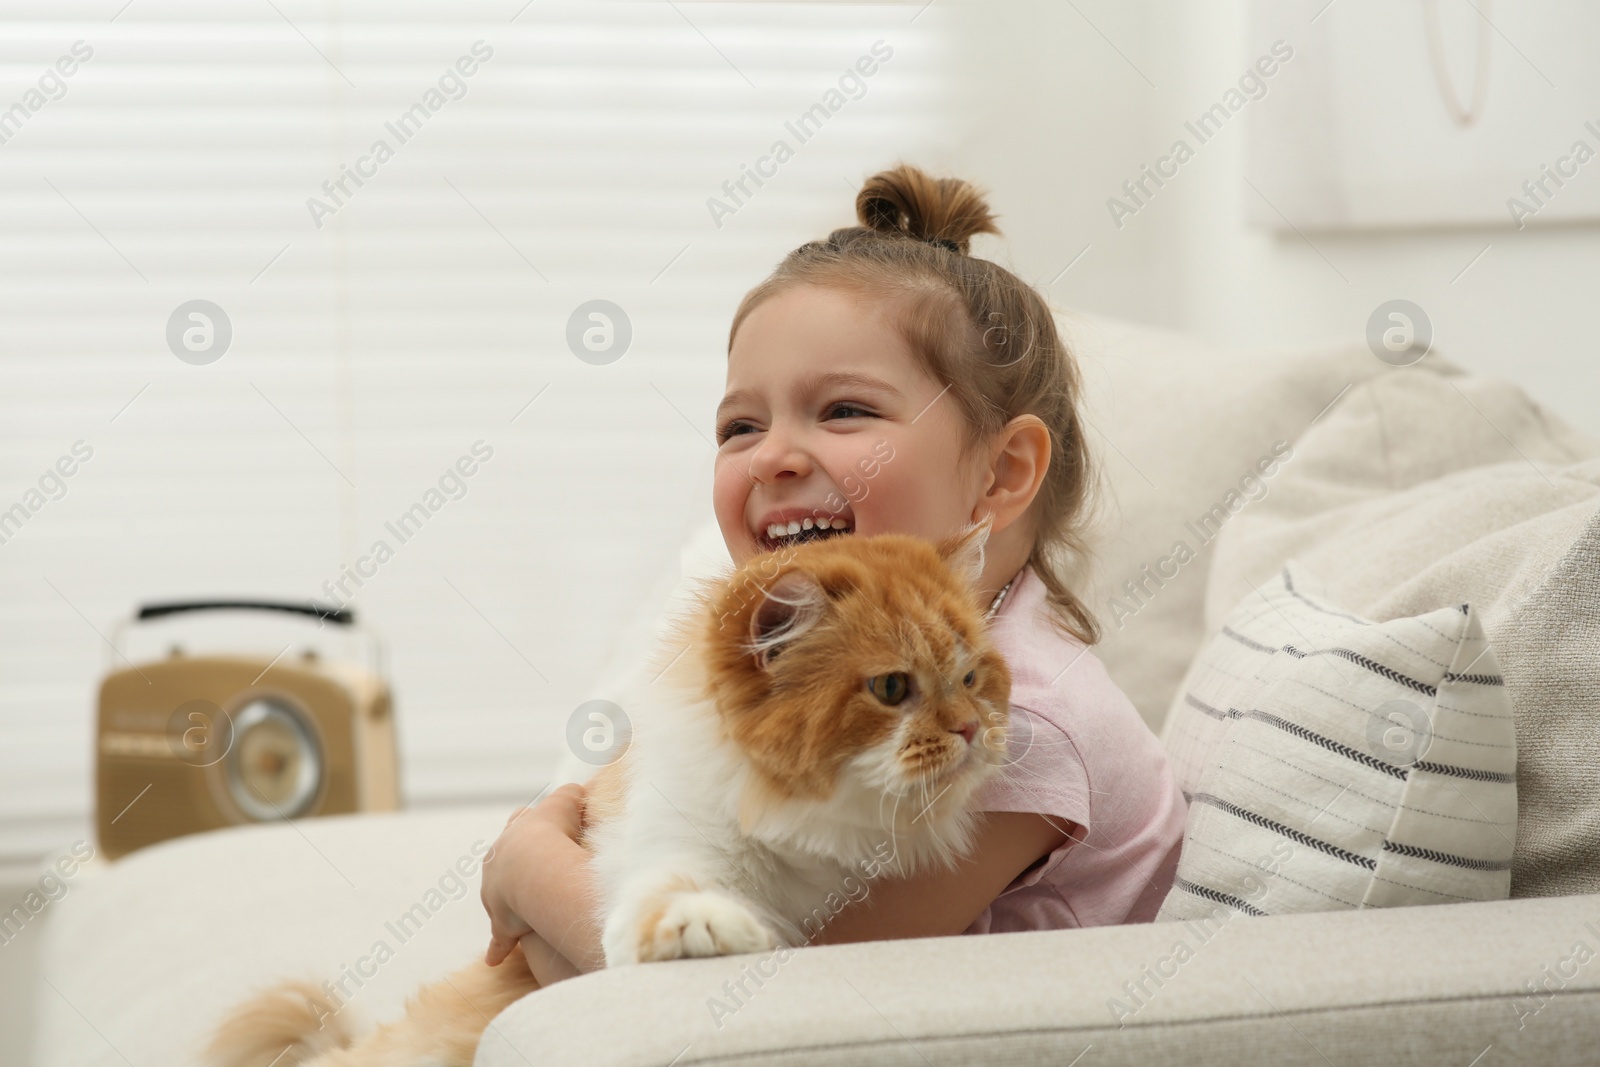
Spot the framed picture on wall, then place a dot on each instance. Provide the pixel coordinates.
(1425, 113)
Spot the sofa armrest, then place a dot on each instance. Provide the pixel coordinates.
(1415, 985)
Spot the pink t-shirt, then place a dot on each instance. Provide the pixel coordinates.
(1078, 751)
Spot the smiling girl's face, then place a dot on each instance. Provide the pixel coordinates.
(828, 417)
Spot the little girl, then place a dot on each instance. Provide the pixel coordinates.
(884, 381)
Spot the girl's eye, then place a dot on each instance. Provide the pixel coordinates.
(842, 409)
(890, 689)
(731, 429)
(970, 678)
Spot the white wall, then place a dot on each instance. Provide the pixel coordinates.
(1522, 311)
(1060, 115)
(1091, 91)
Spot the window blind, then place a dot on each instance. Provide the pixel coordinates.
(391, 213)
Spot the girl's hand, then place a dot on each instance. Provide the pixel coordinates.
(525, 837)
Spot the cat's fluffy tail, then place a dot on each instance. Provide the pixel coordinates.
(288, 1024)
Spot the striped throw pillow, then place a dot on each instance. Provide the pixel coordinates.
(1342, 763)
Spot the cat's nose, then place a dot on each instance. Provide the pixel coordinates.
(967, 730)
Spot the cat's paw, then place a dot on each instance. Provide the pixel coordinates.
(700, 924)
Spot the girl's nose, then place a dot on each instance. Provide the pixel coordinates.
(776, 456)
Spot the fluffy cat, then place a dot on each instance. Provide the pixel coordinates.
(822, 716)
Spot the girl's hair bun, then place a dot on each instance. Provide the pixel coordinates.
(907, 201)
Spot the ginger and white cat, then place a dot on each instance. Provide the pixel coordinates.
(823, 716)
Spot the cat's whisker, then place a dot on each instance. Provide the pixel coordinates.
(894, 833)
(932, 802)
(882, 798)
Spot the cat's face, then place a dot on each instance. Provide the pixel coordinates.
(861, 664)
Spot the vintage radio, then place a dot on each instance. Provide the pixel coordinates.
(199, 741)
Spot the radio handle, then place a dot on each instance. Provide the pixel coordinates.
(321, 612)
(338, 616)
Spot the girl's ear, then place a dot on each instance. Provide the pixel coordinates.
(791, 605)
(963, 552)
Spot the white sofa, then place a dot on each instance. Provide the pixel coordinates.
(144, 955)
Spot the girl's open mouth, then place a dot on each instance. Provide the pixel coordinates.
(799, 532)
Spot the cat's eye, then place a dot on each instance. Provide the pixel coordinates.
(971, 677)
(891, 688)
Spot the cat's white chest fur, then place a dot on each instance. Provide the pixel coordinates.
(677, 875)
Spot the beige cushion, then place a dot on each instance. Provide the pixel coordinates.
(1176, 422)
(1349, 763)
(1363, 506)
(672, 593)
(146, 955)
(1549, 640)
(1393, 433)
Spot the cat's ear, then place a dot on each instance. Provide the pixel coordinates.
(964, 551)
(789, 607)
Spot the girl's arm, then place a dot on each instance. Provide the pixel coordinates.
(559, 902)
(538, 889)
(546, 964)
(940, 903)
(932, 904)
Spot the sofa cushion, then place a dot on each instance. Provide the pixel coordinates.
(1364, 507)
(146, 954)
(1549, 639)
(1374, 503)
(1360, 764)
(702, 556)
(1182, 429)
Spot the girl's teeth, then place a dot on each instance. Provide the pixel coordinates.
(778, 530)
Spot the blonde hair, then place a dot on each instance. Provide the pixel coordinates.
(978, 329)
